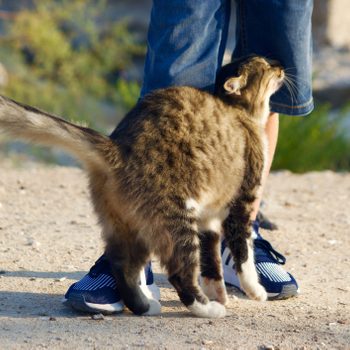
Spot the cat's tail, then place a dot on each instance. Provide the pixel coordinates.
(26, 123)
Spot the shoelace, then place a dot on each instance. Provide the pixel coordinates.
(263, 248)
(100, 265)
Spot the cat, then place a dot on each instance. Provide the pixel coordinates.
(182, 167)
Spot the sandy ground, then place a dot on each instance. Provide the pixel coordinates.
(49, 239)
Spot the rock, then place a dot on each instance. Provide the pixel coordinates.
(207, 342)
(97, 317)
(44, 318)
(268, 347)
(33, 243)
(60, 279)
(343, 322)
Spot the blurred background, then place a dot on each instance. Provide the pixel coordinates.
(84, 60)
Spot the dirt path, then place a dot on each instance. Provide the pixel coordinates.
(49, 238)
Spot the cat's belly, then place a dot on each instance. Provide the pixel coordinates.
(210, 210)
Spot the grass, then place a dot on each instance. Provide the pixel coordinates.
(319, 141)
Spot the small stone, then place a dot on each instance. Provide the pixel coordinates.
(60, 279)
(343, 321)
(33, 243)
(207, 342)
(44, 318)
(332, 241)
(98, 317)
(52, 319)
(331, 324)
(32, 279)
(267, 347)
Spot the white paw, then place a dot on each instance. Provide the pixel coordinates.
(154, 308)
(212, 309)
(216, 310)
(214, 290)
(256, 292)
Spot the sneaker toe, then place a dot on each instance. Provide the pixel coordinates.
(278, 283)
(91, 295)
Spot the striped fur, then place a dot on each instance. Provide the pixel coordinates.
(181, 168)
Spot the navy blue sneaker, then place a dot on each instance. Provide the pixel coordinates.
(278, 283)
(97, 291)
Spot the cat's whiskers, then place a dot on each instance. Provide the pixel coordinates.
(294, 77)
(292, 87)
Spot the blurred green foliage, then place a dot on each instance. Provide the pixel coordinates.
(317, 142)
(63, 57)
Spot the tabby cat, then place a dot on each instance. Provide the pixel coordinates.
(181, 168)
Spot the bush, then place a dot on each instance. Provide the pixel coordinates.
(317, 142)
(64, 58)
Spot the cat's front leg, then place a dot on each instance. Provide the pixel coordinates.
(248, 276)
(237, 231)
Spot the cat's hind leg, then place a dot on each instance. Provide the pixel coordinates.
(212, 281)
(183, 271)
(127, 259)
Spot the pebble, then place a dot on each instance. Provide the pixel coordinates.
(60, 279)
(97, 317)
(44, 318)
(207, 342)
(268, 347)
(332, 241)
(343, 321)
(33, 243)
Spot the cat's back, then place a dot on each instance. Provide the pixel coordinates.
(181, 138)
(176, 113)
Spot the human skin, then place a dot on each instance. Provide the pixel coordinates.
(271, 129)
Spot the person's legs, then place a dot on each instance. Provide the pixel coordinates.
(186, 46)
(186, 43)
(279, 30)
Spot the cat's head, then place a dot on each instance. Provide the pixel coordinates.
(250, 81)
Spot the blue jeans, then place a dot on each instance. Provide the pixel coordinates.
(187, 39)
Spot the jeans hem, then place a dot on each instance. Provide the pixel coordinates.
(297, 111)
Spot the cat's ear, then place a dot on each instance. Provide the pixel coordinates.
(234, 85)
